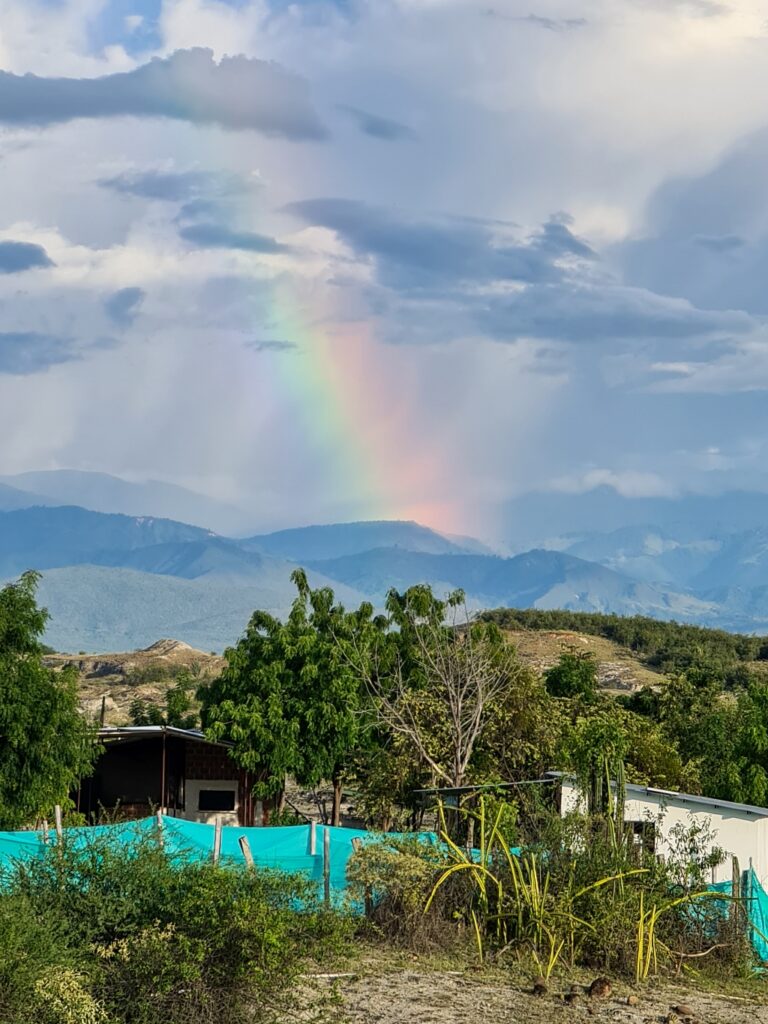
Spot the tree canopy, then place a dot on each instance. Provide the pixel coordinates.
(46, 746)
(289, 698)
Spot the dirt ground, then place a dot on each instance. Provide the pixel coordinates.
(377, 994)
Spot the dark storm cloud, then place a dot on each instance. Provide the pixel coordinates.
(383, 128)
(412, 253)
(707, 235)
(237, 92)
(176, 186)
(18, 256)
(269, 345)
(448, 278)
(23, 353)
(219, 236)
(581, 312)
(122, 307)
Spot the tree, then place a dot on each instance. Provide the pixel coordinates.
(46, 746)
(289, 698)
(575, 675)
(178, 709)
(436, 678)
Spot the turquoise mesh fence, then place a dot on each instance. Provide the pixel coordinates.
(756, 901)
(280, 848)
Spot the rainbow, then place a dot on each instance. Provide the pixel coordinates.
(356, 400)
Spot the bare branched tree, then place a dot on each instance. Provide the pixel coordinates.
(438, 689)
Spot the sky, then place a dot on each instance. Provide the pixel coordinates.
(354, 259)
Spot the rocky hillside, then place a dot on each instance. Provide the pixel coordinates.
(115, 680)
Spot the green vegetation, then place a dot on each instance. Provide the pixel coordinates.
(671, 647)
(45, 744)
(579, 892)
(94, 934)
(421, 697)
(178, 709)
(289, 696)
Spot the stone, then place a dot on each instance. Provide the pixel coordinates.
(600, 988)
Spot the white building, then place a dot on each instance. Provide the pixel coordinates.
(741, 830)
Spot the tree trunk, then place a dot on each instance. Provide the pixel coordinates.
(336, 812)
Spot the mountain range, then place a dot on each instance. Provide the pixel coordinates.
(115, 579)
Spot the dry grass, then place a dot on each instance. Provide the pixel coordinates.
(619, 670)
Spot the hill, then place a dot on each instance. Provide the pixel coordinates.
(101, 492)
(97, 608)
(340, 540)
(110, 682)
(539, 578)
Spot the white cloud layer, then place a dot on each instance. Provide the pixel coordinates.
(332, 260)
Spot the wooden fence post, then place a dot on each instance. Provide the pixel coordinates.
(737, 919)
(45, 831)
(57, 817)
(217, 839)
(160, 829)
(312, 838)
(245, 849)
(327, 865)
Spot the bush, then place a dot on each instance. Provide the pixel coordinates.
(393, 878)
(132, 936)
(583, 895)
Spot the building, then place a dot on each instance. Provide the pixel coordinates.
(741, 830)
(148, 768)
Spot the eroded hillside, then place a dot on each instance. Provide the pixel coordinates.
(113, 681)
(118, 679)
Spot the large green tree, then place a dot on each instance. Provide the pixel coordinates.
(46, 746)
(290, 696)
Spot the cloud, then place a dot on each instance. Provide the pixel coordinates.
(23, 353)
(627, 483)
(379, 127)
(270, 345)
(122, 307)
(550, 24)
(237, 93)
(469, 278)
(706, 235)
(18, 256)
(218, 236)
(584, 312)
(176, 186)
(411, 253)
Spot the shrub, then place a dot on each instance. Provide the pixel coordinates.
(138, 936)
(393, 879)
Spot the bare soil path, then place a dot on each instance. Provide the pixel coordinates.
(378, 994)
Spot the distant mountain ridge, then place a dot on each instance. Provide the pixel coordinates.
(113, 580)
(101, 492)
(342, 539)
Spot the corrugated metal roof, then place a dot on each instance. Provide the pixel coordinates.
(137, 731)
(685, 798)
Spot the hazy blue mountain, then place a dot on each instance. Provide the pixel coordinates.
(192, 559)
(538, 517)
(94, 608)
(46, 538)
(101, 492)
(649, 553)
(741, 562)
(13, 498)
(536, 579)
(340, 539)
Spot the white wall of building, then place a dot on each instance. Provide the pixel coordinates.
(192, 788)
(737, 830)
